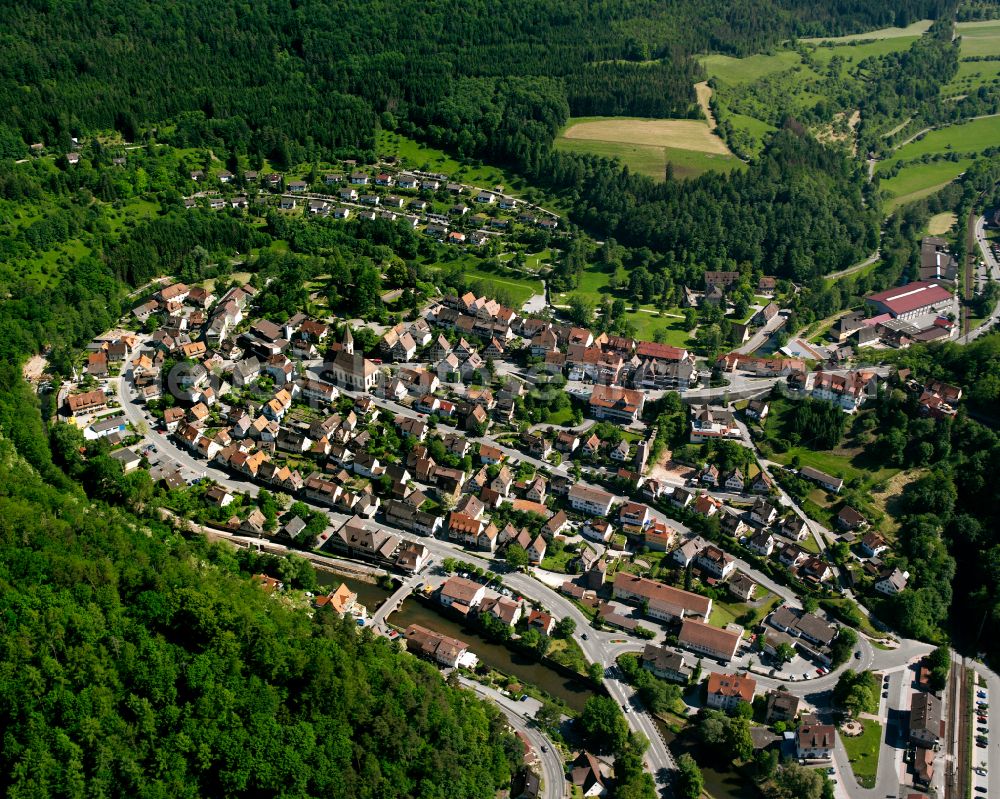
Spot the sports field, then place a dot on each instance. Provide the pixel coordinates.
(646, 146)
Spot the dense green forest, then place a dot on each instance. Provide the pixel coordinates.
(293, 76)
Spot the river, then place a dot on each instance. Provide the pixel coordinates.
(574, 693)
(718, 784)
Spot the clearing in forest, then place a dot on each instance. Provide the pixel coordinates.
(646, 146)
(917, 28)
(684, 134)
(939, 224)
(704, 94)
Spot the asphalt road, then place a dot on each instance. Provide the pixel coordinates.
(553, 776)
(993, 266)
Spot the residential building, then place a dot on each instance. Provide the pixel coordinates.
(587, 499)
(825, 480)
(713, 642)
(441, 648)
(617, 404)
(742, 587)
(708, 423)
(88, 402)
(460, 592)
(873, 545)
(726, 691)
(716, 562)
(667, 664)
(663, 601)
(585, 774)
(925, 720)
(815, 741)
(781, 706)
(892, 582)
(800, 624)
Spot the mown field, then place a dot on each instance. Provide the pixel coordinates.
(939, 224)
(851, 53)
(914, 29)
(968, 137)
(646, 146)
(917, 180)
(737, 71)
(921, 180)
(980, 38)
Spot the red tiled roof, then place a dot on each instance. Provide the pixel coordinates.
(903, 299)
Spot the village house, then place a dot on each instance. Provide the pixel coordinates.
(667, 664)
(781, 706)
(892, 582)
(742, 587)
(716, 562)
(460, 593)
(441, 648)
(815, 741)
(663, 602)
(587, 499)
(720, 644)
(726, 691)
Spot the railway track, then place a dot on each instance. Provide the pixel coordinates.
(960, 739)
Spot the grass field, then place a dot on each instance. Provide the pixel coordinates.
(832, 463)
(968, 137)
(863, 752)
(939, 224)
(755, 127)
(646, 324)
(920, 180)
(593, 286)
(852, 53)
(737, 71)
(971, 75)
(914, 29)
(520, 289)
(646, 146)
(980, 38)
